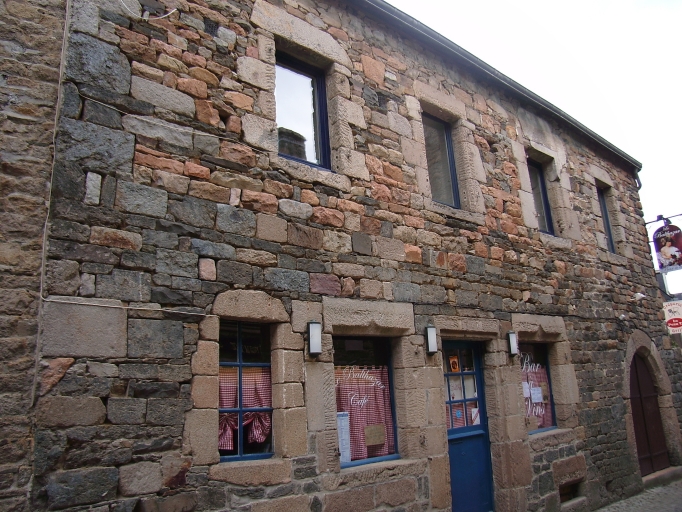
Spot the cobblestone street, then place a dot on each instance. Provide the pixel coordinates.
(667, 498)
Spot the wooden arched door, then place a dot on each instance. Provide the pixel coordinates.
(649, 436)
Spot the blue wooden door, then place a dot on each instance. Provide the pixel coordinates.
(468, 443)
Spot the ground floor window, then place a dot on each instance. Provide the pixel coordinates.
(364, 405)
(537, 388)
(245, 424)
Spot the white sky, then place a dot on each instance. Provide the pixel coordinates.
(612, 65)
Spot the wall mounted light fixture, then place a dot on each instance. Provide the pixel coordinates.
(314, 338)
(431, 341)
(513, 343)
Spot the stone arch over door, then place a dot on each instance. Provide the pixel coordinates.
(641, 344)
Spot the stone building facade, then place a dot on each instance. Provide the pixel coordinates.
(147, 136)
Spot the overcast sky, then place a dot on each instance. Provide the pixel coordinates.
(612, 65)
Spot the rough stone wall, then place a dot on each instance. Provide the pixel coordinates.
(31, 34)
(168, 191)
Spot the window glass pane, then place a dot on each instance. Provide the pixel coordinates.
(537, 186)
(438, 161)
(458, 416)
(229, 338)
(255, 343)
(536, 385)
(257, 432)
(467, 360)
(455, 387)
(256, 387)
(473, 414)
(363, 398)
(601, 194)
(470, 386)
(450, 355)
(294, 97)
(228, 380)
(452, 362)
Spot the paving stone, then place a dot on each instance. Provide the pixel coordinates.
(155, 338)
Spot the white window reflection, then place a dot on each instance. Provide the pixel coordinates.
(296, 119)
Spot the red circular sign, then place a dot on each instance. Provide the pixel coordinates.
(674, 323)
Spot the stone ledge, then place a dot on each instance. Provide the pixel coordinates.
(253, 472)
(372, 473)
(555, 242)
(449, 211)
(576, 504)
(662, 477)
(541, 440)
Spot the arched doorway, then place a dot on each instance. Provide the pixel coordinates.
(652, 451)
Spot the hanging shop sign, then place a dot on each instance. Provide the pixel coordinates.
(668, 246)
(673, 316)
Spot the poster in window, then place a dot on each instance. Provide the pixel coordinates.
(454, 364)
(375, 434)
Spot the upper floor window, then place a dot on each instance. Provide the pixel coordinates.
(364, 408)
(601, 194)
(537, 388)
(245, 406)
(540, 198)
(440, 158)
(301, 112)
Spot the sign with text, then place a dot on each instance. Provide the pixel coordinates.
(668, 246)
(673, 316)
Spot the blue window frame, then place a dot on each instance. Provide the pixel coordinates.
(537, 385)
(245, 407)
(364, 400)
(302, 122)
(540, 198)
(440, 159)
(601, 194)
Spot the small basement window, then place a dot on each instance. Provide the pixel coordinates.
(568, 492)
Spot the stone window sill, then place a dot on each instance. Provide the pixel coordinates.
(252, 472)
(457, 213)
(575, 504)
(555, 432)
(555, 242)
(311, 174)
